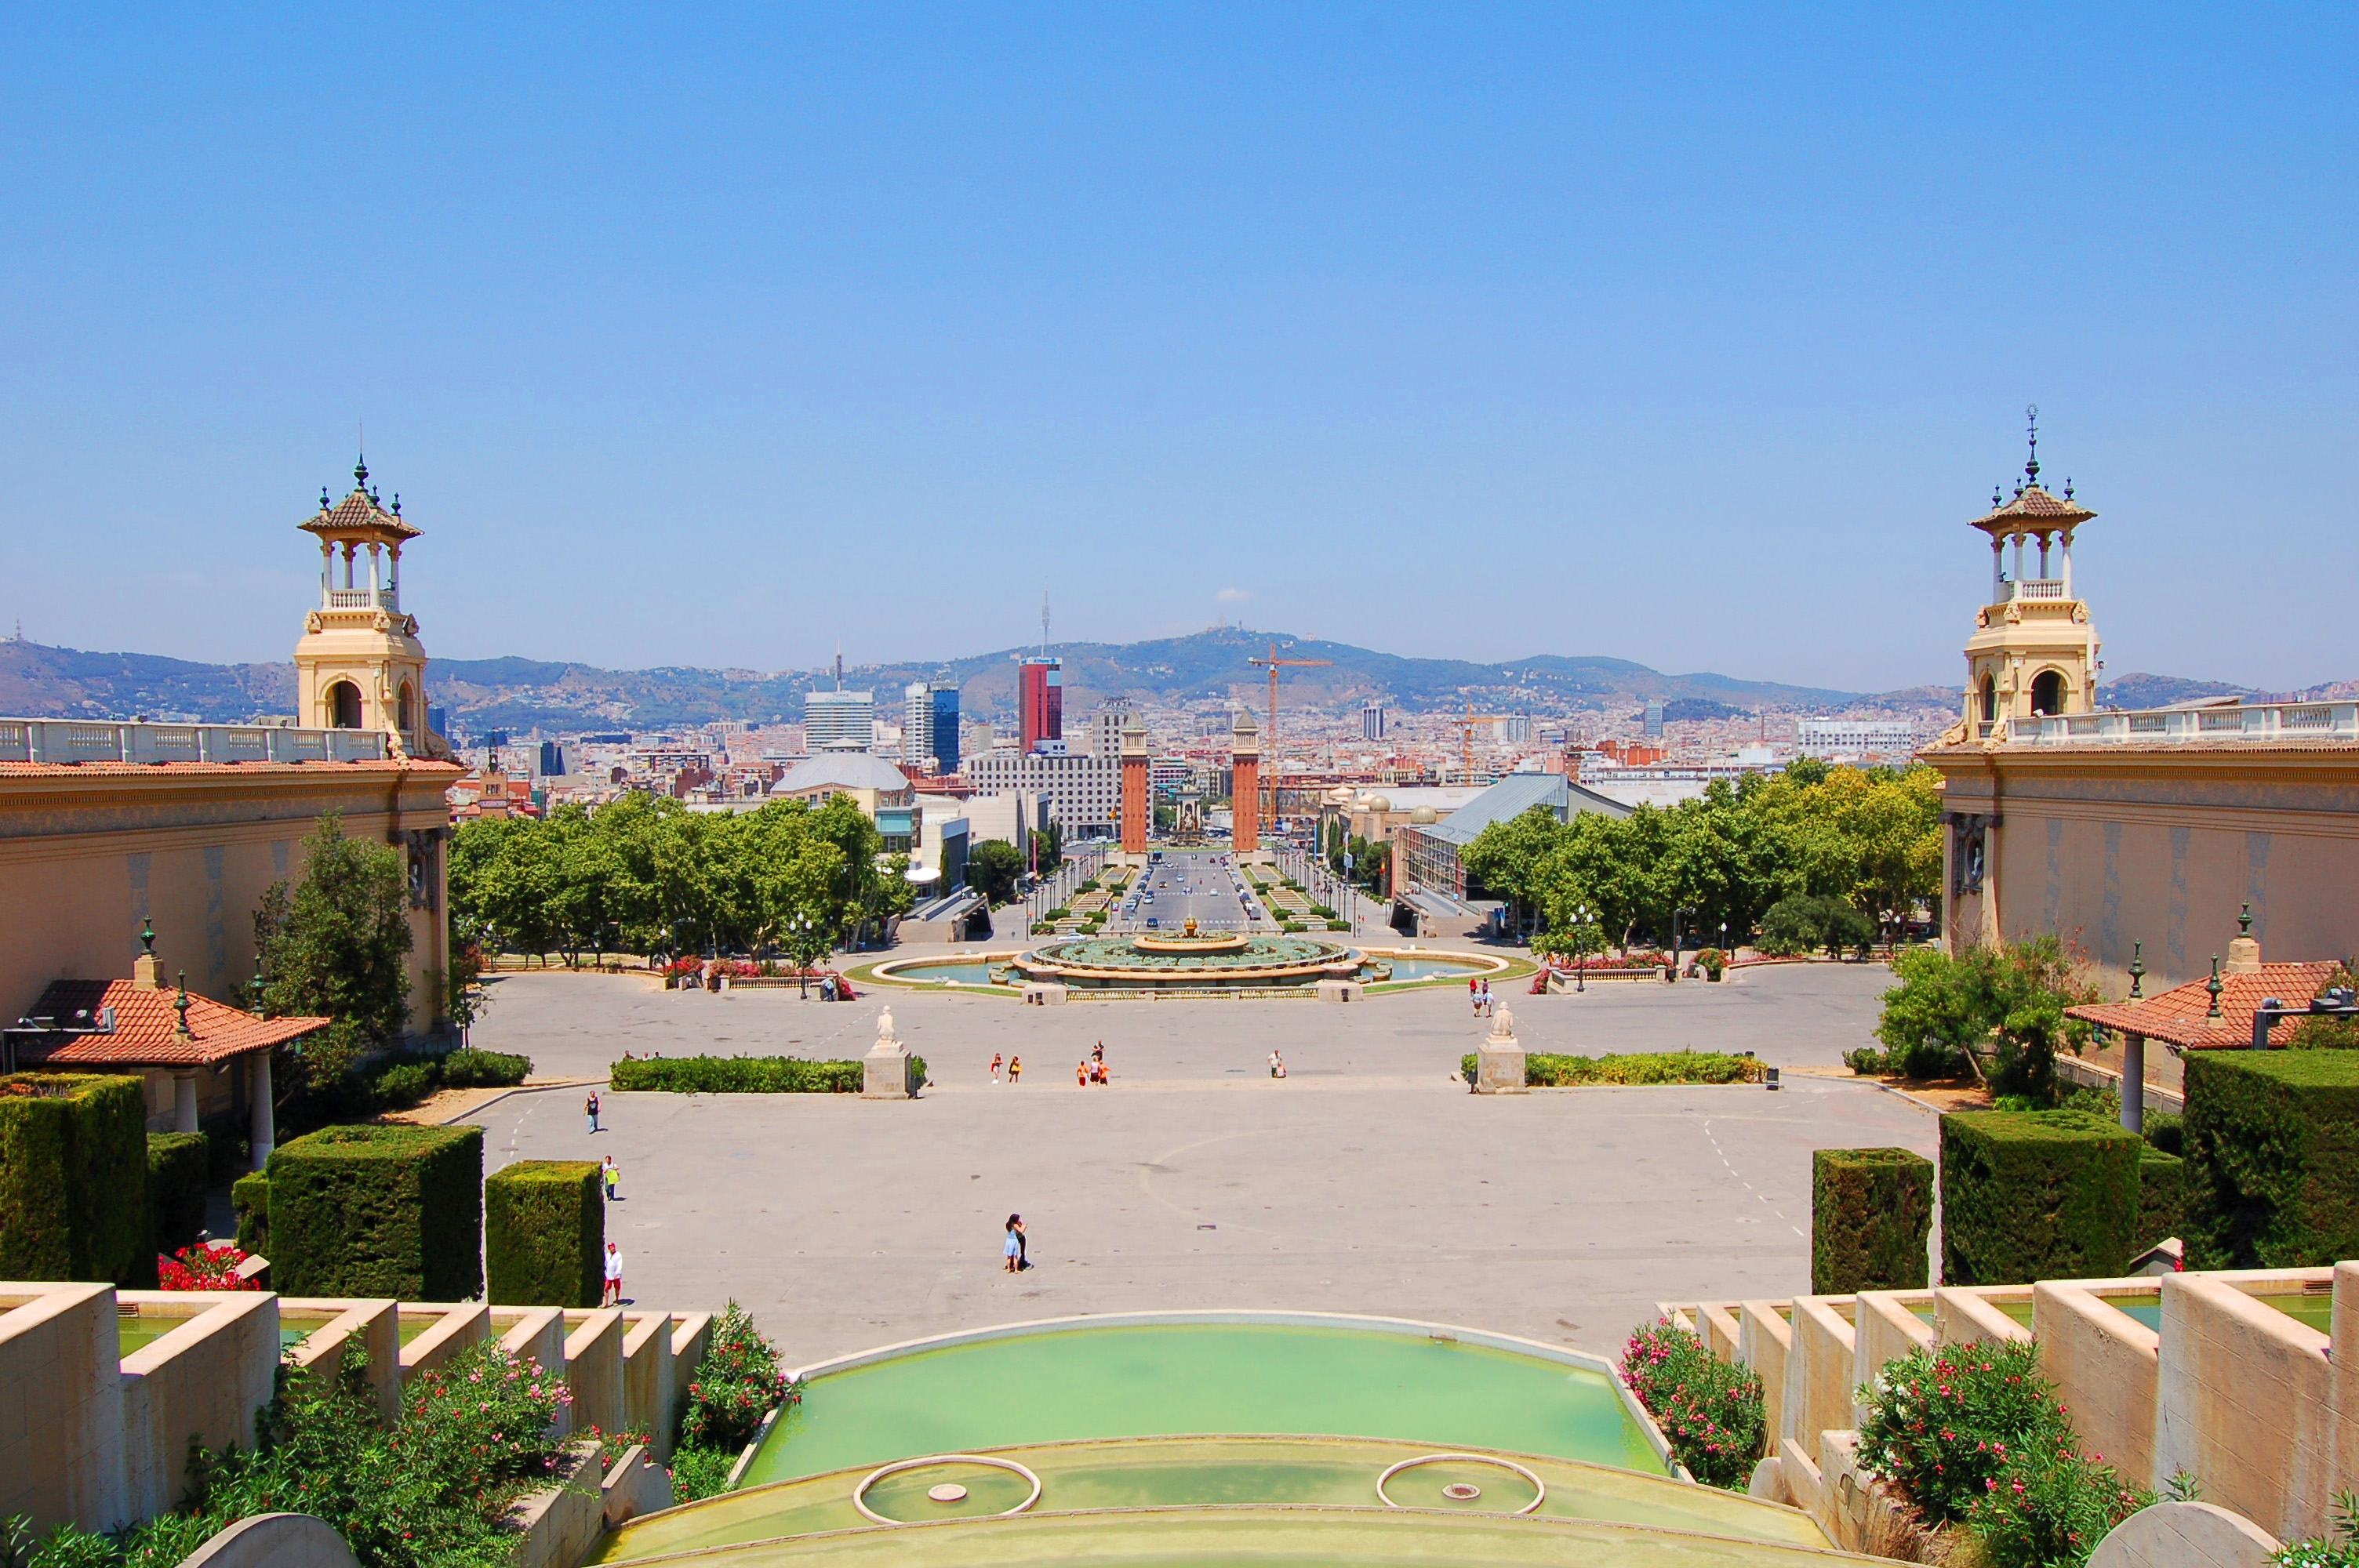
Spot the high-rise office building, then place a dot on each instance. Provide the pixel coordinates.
(1039, 701)
(840, 721)
(552, 760)
(1654, 720)
(929, 726)
(1372, 722)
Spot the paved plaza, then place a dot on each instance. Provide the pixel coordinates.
(1368, 1181)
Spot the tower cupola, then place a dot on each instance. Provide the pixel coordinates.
(2033, 653)
(359, 664)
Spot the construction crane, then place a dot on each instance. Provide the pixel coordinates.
(1466, 737)
(1269, 743)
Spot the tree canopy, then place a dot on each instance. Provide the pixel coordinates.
(1870, 838)
(643, 874)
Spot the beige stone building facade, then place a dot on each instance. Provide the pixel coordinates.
(2133, 833)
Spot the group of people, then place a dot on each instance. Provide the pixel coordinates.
(1091, 1069)
(1478, 991)
(1015, 1066)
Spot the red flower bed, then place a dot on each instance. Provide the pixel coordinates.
(202, 1268)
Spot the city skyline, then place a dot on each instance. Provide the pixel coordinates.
(1638, 336)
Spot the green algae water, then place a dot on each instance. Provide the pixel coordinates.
(1166, 1379)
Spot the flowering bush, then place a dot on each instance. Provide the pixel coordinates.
(1710, 1412)
(1941, 1424)
(736, 1384)
(201, 1267)
(2341, 1552)
(2049, 1507)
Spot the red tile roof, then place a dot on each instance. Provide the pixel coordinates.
(2033, 510)
(146, 1028)
(2181, 1015)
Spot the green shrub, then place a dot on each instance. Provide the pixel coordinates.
(1942, 1423)
(2272, 1151)
(2342, 1551)
(1802, 923)
(917, 1072)
(249, 1199)
(2050, 1507)
(2162, 1189)
(1546, 1070)
(1871, 1212)
(402, 1086)
(735, 1076)
(2166, 1132)
(179, 1168)
(473, 1069)
(1339, 925)
(733, 1388)
(1867, 1061)
(73, 1177)
(544, 1234)
(697, 1473)
(2028, 1195)
(379, 1211)
(1710, 1412)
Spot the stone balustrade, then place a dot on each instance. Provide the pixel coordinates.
(59, 742)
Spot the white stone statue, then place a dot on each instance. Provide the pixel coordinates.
(1503, 1025)
(885, 1026)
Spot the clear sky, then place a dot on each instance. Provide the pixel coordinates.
(1688, 335)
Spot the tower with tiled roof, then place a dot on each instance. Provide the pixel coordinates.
(2033, 651)
(360, 664)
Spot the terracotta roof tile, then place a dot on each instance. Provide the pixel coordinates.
(2181, 1015)
(2037, 507)
(146, 1028)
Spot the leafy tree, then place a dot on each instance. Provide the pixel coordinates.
(991, 868)
(2003, 1003)
(336, 944)
(1048, 847)
(1806, 922)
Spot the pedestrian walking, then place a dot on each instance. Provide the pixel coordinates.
(613, 1295)
(1015, 1070)
(609, 1176)
(1082, 1075)
(1012, 1249)
(1098, 1054)
(994, 1069)
(590, 1105)
(1277, 1064)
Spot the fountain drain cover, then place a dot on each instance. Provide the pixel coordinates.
(948, 1492)
(1462, 1491)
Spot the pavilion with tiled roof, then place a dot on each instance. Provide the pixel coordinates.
(2210, 1014)
(160, 1033)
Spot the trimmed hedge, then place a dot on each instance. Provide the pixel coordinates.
(2036, 1195)
(735, 1076)
(473, 1069)
(544, 1234)
(379, 1211)
(1871, 1214)
(2162, 1197)
(249, 1199)
(73, 1177)
(1546, 1070)
(2272, 1152)
(179, 1173)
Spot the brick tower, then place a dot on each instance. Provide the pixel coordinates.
(1137, 815)
(1244, 755)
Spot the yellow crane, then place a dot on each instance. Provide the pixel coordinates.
(1269, 741)
(1466, 737)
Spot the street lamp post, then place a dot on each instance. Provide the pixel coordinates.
(1581, 948)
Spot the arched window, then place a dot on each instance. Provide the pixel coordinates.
(1990, 700)
(401, 710)
(2047, 692)
(345, 706)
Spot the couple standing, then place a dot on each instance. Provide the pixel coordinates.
(1014, 1251)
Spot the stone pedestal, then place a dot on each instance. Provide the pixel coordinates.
(1338, 990)
(1044, 993)
(1499, 1061)
(884, 1071)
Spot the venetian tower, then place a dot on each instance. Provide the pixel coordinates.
(2033, 651)
(1244, 808)
(360, 664)
(1138, 815)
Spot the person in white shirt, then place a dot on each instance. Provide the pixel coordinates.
(612, 1296)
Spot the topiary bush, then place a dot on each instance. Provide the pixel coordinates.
(2272, 1152)
(249, 1199)
(544, 1234)
(2042, 1195)
(73, 1177)
(2162, 1195)
(179, 1171)
(473, 1069)
(1871, 1214)
(379, 1211)
(1544, 1069)
(735, 1076)
(1710, 1412)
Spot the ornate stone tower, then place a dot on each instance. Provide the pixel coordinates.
(1244, 755)
(360, 664)
(1137, 815)
(2033, 651)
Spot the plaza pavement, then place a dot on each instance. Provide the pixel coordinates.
(1368, 1181)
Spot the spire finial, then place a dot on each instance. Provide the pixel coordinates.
(181, 1005)
(2214, 987)
(147, 938)
(325, 501)
(2068, 487)
(2137, 970)
(2244, 920)
(2031, 467)
(396, 501)
(360, 473)
(261, 1001)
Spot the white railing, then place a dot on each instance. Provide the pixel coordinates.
(66, 741)
(363, 599)
(2040, 588)
(2243, 721)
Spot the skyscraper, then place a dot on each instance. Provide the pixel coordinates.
(1372, 722)
(1039, 701)
(840, 721)
(1654, 719)
(946, 728)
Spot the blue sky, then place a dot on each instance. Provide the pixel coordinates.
(1691, 335)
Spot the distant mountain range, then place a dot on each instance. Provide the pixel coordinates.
(516, 694)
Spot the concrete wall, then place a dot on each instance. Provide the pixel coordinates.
(88, 1440)
(2246, 1403)
(2105, 1367)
